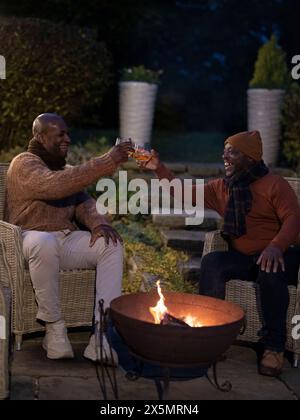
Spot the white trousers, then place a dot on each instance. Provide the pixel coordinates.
(49, 252)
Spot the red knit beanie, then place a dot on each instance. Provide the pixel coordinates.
(249, 143)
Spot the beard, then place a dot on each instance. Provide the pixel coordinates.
(54, 159)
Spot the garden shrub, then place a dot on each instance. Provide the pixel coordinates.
(6, 156)
(79, 153)
(50, 68)
(141, 74)
(143, 240)
(271, 71)
(162, 264)
(291, 126)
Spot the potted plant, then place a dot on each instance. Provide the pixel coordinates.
(265, 97)
(138, 91)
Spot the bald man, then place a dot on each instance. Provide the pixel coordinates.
(46, 198)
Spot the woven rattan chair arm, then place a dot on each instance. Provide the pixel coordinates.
(4, 336)
(12, 265)
(11, 252)
(214, 242)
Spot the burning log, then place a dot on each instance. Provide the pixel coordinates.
(169, 319)
(163, 317)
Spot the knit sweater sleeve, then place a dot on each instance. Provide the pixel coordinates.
(86, 212)
(163, 172)
(287, 208)
(213, 194)
(210, 189)
(35, 181)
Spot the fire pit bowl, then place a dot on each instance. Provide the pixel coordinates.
(169, 345)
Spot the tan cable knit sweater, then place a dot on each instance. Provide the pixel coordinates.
(44, 200)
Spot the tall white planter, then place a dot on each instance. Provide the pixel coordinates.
(137, 102)
(264, 113)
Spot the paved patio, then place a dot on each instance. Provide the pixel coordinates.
(36, 377)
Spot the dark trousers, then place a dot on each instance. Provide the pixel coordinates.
(219, 267)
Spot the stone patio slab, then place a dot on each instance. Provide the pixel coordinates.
(36, 377)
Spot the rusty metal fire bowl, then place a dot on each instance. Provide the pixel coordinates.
(177, 345)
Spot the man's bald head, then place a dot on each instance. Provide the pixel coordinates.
(52, 133)
(44, 121)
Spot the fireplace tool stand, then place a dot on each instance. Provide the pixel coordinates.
(163, 382)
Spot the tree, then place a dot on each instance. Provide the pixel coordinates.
(51, 68)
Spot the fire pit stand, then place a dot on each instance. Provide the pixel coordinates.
(104, 374)
(163, 382)
(179, 347)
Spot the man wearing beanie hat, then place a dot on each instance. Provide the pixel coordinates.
(261, 221)
(249, 143)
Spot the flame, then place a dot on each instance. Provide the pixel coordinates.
(192, 321)
(158, 312)
(160, 309)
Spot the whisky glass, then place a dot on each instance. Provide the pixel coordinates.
(142, 153)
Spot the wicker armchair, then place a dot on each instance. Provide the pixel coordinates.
(246, 294)
(4, 341)
(76, 287)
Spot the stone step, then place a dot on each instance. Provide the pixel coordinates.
(190, 269)
(211, 221)
(188, 241)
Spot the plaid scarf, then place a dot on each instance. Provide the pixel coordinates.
(240, 199)
(55, 163)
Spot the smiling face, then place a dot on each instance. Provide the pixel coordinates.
(235, 161)
(54, 136)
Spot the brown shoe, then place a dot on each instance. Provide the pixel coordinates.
(271, 364)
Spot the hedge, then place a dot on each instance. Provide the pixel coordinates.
(50, 68)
